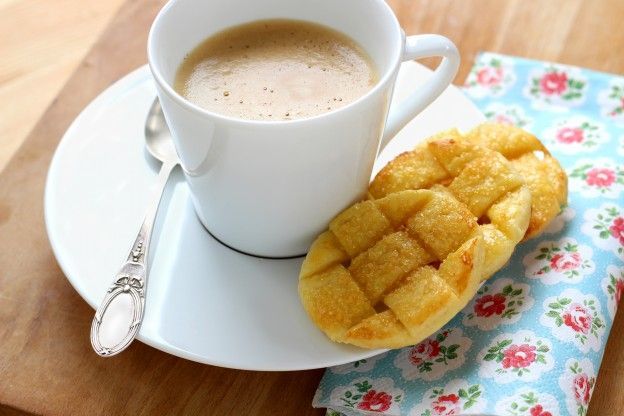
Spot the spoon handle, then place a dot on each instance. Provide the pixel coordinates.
(119, 316)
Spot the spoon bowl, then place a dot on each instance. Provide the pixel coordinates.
(158, 136)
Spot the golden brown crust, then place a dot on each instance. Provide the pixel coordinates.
(325, 252)
(409, 170)
(482, 179)
(543, 174)
(395, 268)
(319, 294)
(386, 293)
(445, 160)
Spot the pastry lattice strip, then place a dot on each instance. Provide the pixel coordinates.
(370, 280)
(423, 168)
(479, 177)
(391, 271)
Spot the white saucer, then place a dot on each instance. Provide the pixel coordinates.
(205, 302)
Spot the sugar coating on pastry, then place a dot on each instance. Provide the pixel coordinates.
(479, 177)
(542, 173)
(440, 219)
(390, 272)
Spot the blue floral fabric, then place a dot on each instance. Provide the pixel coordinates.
(531, 341)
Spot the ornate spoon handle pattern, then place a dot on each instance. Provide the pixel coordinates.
(118, 319)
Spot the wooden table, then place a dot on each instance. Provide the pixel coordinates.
(42, 42)
(46, 362)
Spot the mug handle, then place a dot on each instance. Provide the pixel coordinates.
(423, 46)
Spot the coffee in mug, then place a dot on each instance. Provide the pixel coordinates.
(278, 69)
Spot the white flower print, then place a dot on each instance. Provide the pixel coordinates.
(577, 383)
(359, 366)
(367, 394)
(512, 115)
(575, 318)
(457, 397)
(500, 302)
(605, 226)
(557, 224)
(611, 101)
(559, 261)
(528, 402)
(435, 356)
(575, 135)
(613, 287)
(515, 356)
(597, 177)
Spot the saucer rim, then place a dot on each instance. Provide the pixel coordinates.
(133, 78)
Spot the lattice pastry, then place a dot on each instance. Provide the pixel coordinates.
(479, 177)
(391, 271)
(542, 173)
(372, 281)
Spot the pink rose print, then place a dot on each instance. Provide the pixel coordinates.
(577, 318)
(598, 177)
(556, 261)
(426, 349)
(565, 261)
(605, 225)
(612, 100)
(489, 76)
(511, 115)
(489, 305)
(527, 402)
(576, 134)
(618, 108)
(447, 405)
(613, 287)
(570, 135)
(518, 356)
(554, 83)
(617, 229)
(556, 86)
(457, 397)
(601, 177)
(375, 402)
(577, 382)
(433, 357)
(361, 394)
(503, 119)
(582, 388)
(619, 289)
(500, 303)
(538, 410)
(510, 357)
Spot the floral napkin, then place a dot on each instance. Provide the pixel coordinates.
(531, 341)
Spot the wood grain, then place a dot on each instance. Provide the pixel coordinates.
(46, 363)
(41, 44)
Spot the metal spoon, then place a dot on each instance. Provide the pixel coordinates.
(119, 317)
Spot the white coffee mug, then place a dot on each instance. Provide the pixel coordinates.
(268, 188)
